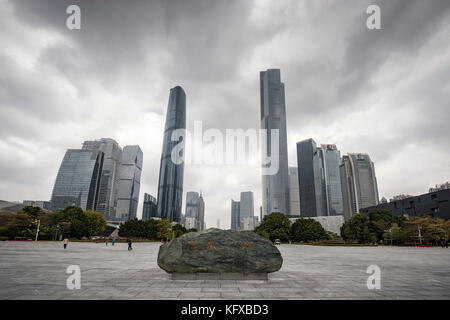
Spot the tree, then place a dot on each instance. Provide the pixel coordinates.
(178, 230)
(96, 223)
(356, 228)
(33, 212)
(308, 230)
(133, 228)
(276, 225)
(151, 228)
(77, 219)
(163, 229)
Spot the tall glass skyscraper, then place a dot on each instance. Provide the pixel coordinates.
(149, 207)
(309, 179)
(235, 215)
(275, 188)
(110, 175)
(195, 209)
(294, 193)
(78, 180)
(170, 185)
(359, 183)
(130, 183)
(330, 159)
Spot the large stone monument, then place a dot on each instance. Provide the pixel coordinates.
(219, 254)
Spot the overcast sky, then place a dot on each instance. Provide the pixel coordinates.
(382, 92)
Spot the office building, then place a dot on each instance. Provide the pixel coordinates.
(129, 183)
(78, 180)
(294, 193)
(310, 179)
(149, 208)
(247, 223)
(235, 215)
(433, 204)
(110, 175)
(330, 160)
(275, 187)
(170, 185)
(195, 208)
(358, 182)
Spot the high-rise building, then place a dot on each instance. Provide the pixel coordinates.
(247, 211)
(309, 179)
(235, 215)
(294, 196)
(330, 160)
(170, 185)
(78, 180)
(275, 187)
(110, 175)
(248, 223)
(201, 213)
(195, 208)
(149, 208)
(359, 183)
(129, 184)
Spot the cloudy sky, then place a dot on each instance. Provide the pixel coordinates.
(382, 92)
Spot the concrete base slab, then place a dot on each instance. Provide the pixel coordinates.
(220, 276)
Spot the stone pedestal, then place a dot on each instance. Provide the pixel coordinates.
(220, 276)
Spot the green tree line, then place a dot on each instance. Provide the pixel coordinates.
(72, 222)
(382, 226)
(151, 229)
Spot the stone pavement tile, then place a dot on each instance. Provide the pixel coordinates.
(184, 289)
(200, 294)
(157, 294)
(221, 289)
(239, 295)
(203, 285)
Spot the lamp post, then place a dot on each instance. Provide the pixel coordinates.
(37, 230)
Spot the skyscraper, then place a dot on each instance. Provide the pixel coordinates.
(195, 209)
(247, 210)
(170, 185)
(78, 180)
(275, 188)
(130, 183)
(309, 179)
(235, 215)
(294, 196)
(359, 183)
(330, 160)
(149, 207)
(201, 213)
(110, 175)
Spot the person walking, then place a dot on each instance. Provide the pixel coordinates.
(65, 242)
(129, 244)
(106, 242)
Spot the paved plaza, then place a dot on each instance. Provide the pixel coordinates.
(31, 270)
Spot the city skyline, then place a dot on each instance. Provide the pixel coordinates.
(376, 92)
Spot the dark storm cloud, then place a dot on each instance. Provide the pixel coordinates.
(112, 78)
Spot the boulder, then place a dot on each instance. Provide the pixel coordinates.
(219, 251)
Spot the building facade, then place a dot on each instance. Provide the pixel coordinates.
(149, 209)
(37, 203)
(130, 183)
(294, 193)
(78, 180)
(433, 204)
(247, 211)
(310, 180)
(275, 187)
(358, 182)
(110, 175)
(195, 208)
(330, 160)
(170, 185)
(235, 215)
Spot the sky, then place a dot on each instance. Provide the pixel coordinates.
(383, 92)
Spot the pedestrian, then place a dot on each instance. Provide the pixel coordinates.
(65, 242)
(113, 241)
(106, 242)
(129, 244)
